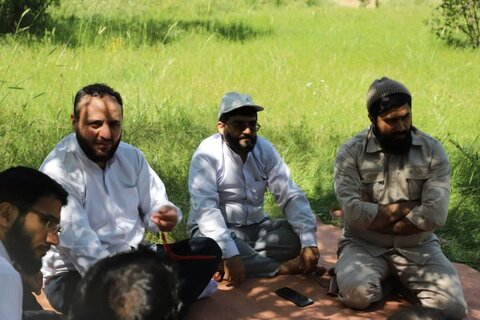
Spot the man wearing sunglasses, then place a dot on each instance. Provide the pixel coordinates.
(114, 197)
(30, 205)
(228, 177)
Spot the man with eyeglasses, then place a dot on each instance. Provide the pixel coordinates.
(114, 197)
(229, 174)
(30, 205)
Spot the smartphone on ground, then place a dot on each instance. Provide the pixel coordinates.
(294, 296)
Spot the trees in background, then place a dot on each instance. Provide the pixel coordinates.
(24, 15)
(458, 22)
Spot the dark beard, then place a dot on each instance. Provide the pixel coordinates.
(391, 144)
(91, 154)
(19, 247)
(237, 146)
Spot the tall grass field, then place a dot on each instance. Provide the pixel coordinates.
(309, 63)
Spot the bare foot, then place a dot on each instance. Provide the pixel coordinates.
(293, 266)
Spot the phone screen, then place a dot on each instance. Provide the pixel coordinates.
(294, 296)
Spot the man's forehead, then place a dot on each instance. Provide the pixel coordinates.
(93, 104)
(50, 205)
(396, 112)
(242, 117)
(88, 99)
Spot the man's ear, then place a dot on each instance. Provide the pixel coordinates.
(74, 121)
(8, 215)
(372, 118)
(220, 127)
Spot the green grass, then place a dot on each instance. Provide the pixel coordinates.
(308, 62)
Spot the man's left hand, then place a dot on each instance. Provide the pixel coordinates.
(309, 258)
(33, 281)
(165, 218)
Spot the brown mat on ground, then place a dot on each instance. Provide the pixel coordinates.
(255, 298)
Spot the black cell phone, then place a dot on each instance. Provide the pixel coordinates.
(294, 296)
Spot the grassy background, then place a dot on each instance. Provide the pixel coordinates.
(308, 62)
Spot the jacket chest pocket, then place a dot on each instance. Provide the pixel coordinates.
(415, 178)
(374, 185)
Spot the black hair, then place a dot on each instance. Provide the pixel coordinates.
(23, 187)
(242, 111)
(139, 284)
(95, 90)
(391, 101)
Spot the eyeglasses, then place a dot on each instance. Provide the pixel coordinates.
(242, 125)
(50, 222)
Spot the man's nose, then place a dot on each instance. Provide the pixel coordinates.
(247, 130)
(53, 238)
(400, 126)
(105, 132)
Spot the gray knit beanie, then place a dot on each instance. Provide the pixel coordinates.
(381, 88)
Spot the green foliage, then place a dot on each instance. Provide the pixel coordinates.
(464, 221)
(458, 22)
(24, 15)
(137, 31)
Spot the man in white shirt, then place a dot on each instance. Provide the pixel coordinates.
(114, 196)
(229, 174)
(30, 204)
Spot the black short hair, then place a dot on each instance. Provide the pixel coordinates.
(23, 187)
(95, 90)
(139, 284)
(243, 111)
(391, 101)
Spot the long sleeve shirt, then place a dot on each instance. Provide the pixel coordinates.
(422, 174)
(11, 290)
(108, 210)
(225, 191)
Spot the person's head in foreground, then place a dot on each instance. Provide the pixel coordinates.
(134, 285)
(389, 105)
(30, 205)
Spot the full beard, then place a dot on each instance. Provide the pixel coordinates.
(94, 155)
(393, 144)
(238, 144)
(19, 247)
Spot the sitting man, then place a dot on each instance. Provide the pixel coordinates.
(392, 182)
(138, 284)
(228, 176)
(114, 196)
(30, 204)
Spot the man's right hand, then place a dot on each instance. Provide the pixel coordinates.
(165, 218)
(234, 271)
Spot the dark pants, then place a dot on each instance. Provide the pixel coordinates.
(194, 275)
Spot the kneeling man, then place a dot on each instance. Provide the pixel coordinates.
(392, 182)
